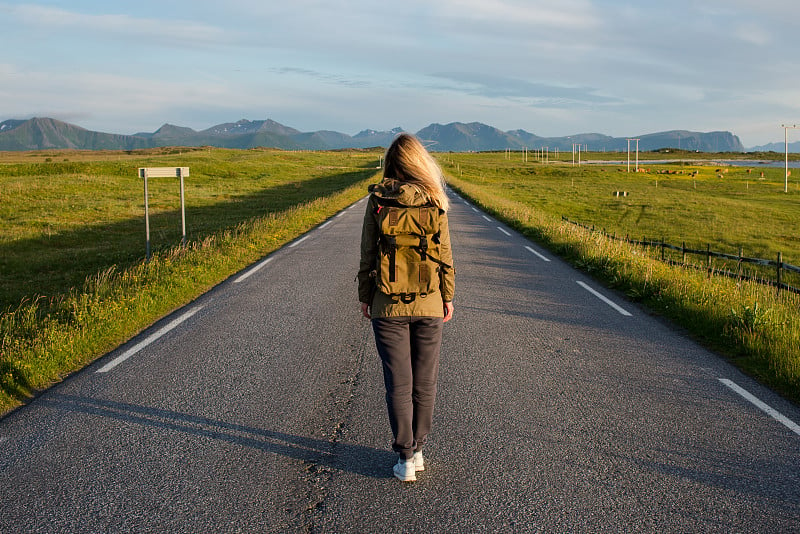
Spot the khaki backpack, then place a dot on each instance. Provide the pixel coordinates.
(409, 249)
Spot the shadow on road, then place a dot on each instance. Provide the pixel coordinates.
(365, 461)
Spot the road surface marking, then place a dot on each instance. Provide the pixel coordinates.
(604, 299)
(253, 270)
(142, 344)
(324, 225)
(499, 228)
(487, 218)
(544, 258)
(775, 414)
(299, 241)
(474, 209)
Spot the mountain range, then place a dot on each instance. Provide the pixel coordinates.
(46, 133)
(776, 147)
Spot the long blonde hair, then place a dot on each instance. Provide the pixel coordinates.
(407, 161)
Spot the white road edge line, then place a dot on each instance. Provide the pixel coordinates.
(253, 270)
(544, 258)
(604, 299)
(501, 229)
(487, 218)
(142, 344)
(299, 241)
(324, 225)
(775, 414)
(474, 209)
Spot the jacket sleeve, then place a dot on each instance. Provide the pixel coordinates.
(369, 254)
(447, 281)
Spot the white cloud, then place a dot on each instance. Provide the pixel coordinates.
(565, 14)
(754, 34)
(116, 25)
(92, 94)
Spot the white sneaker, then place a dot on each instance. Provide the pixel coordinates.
(419, 461)
(405, 470)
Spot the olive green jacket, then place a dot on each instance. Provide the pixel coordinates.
(382, 305)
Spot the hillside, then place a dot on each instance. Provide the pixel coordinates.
(42, 134)
(45, 133)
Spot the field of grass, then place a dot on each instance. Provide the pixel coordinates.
(726, 207)
(73, 280)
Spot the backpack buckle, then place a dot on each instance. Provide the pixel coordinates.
(423, 247)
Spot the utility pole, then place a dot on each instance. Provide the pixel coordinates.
(629, 154)
(786, 152)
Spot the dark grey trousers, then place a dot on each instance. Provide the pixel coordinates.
(409, 349)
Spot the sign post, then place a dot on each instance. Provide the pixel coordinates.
(162, 172)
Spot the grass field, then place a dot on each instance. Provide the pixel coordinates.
(700, 205)
(74, 283)
(726, 207)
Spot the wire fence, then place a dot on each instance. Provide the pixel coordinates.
(775, 273)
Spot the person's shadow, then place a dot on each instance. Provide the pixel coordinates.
(365, 461)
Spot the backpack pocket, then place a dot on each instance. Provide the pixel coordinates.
(409, 277)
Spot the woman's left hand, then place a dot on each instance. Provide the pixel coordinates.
(448, 311)
(365, 310)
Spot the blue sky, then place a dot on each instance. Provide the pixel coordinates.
(553, 68)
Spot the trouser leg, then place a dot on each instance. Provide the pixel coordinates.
(392, 338)
(426, 342)
(409, 351)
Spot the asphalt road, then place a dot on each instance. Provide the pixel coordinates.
(259, 408)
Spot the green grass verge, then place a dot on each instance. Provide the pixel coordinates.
(51, 334)
(758, 330)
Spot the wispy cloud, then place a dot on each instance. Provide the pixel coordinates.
(565, 14)
(326, 77)
(175, 31)
(503, 87)
(87, 94)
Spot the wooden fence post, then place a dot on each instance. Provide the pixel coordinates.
(708, 253)
(739, 265)
(780, 262)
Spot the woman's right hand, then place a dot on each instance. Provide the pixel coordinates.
(365, 310)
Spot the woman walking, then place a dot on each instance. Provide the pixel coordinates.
(406, 284)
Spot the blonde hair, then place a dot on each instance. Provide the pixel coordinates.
(407, 161)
